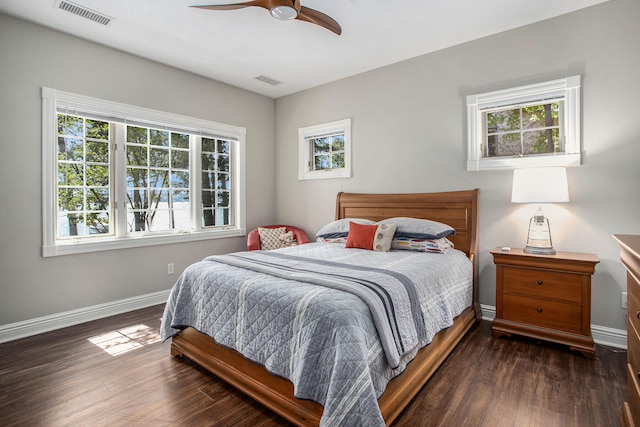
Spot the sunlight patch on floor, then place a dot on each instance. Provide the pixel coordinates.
(126, 339)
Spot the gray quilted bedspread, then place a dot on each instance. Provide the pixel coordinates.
(320, 336)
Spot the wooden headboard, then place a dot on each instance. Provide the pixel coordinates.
(459, 209)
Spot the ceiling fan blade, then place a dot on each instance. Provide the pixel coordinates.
(234, 6)
(319, 18)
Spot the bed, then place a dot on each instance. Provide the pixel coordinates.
(268, 384)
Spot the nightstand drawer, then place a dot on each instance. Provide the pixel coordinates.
(539, 283)
(544, 313)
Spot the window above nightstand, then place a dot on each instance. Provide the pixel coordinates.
(534, 125)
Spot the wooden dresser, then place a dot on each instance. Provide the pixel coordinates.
(630, 255)
(546, 297)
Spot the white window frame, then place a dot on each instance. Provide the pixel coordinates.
(52, 246)
(566, 89)
(305, 152)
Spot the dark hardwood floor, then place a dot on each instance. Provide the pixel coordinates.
(63, 379)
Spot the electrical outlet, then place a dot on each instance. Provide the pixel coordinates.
(623, 299)
(170, 268)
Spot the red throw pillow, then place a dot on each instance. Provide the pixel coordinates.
(361, 236)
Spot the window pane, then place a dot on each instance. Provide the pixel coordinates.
(208, 180)
(70, 224)
(542, 141)
(97, 129)
(321, 162)
(138, 199)
(337, 160)
(503, 121)
(136, 177)
(223, 199)
(181, 196)
(70, 125)
(208, 162)
(538, 116)
(224, 182)
(181, 219)
(223, 163)
(136, 220)
(97, 175)
(136, 155)
(338, 143)
(158, 178)
(507, 144)
(136, 135)
(208, 218)
(71, 174)
(179, 159)
(98, 223)
(98, 199)
(159, 157)
(159, 137)
(70, 149)
(320, 145)
(70, 199)
(98, 152)
(209, 144)
(222, 216)
(180, 140)
(180, 180)
(224, 146)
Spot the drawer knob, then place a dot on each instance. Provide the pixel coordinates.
(539, 310)
(639, 375)
(539, 282)
(638, 314)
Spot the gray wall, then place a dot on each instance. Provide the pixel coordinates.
(409, 135)
(31, 57)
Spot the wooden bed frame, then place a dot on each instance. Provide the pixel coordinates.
(458, 209)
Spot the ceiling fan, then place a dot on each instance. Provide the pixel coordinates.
(284, 10)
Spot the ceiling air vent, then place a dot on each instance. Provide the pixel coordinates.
(268, 80)
(85, 13)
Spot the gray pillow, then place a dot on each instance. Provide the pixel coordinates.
(419, 228)
(340, 227)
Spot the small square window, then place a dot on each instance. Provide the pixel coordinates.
(325, 151)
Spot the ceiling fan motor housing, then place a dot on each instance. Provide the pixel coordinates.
(284, 10)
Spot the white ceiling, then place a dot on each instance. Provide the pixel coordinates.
(238, 45)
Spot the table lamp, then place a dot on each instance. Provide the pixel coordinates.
(540, 185)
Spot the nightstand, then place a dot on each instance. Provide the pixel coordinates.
(547, 297)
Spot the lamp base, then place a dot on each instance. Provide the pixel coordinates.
(539, 250)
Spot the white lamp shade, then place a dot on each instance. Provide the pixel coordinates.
(540, 185)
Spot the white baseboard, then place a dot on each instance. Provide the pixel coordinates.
(601, 334)
(27, 328)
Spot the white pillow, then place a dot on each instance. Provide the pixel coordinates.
(384, 236)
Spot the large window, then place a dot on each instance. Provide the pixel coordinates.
(325, 150)
(535, 125)
(119, 176)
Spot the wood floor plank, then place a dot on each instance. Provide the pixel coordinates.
(61, 378)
